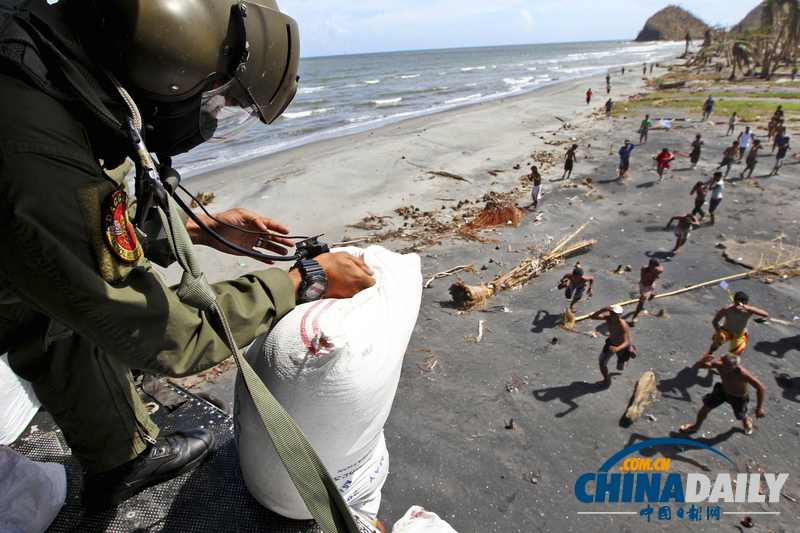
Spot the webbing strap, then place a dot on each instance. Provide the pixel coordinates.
(309, 474)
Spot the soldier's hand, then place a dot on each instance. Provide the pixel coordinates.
(263, 233)
(347, 275)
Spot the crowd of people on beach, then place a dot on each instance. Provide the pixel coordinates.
(730, 322)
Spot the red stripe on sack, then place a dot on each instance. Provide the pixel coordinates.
(314, 325)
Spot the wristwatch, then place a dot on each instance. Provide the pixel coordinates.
(314, 283)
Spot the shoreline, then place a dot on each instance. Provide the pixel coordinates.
(324, 186)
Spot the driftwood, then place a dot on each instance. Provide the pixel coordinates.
(704, 284)
(451, 272)
(641, 397)
(471, 296)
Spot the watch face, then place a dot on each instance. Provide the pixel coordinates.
(314, 291)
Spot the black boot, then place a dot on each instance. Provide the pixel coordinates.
(169, 457)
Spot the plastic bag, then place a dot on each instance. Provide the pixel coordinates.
(31, 493)
(334, 365)
(418, 520)
(18, 403)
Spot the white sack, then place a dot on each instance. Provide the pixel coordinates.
(31, 493)
(18, 403)
(418, 520)
(334, 365)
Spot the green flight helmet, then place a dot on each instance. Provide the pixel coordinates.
(200, 70)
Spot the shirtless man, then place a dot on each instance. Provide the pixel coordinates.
(536, 189)
(647, 285)
(734, 329)
(685, 225)
(618, 341)
(751, 161)
(728, 157)
(570, 159)
(575, 284)
(732, 390)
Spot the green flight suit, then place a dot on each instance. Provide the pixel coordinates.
(86, 317)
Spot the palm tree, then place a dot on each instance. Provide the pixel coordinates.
(780, 19)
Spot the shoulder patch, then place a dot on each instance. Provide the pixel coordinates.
(117, 229)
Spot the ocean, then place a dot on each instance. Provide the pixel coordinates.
(344, 94)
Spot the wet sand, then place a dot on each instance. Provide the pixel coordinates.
(449, 450)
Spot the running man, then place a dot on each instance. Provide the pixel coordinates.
(625, 158)
(732, 390)
(700, 190)
(708, 107)
(647, 285)
(663, 162)
(618, 341)
(716, 188)
(536, 189)
(570, 159)
(682, 230)
(744, 141)
(588, 96)
(731, 124)
(728, 157)
(734, 329)
(609, 105)
(575, 284)
(644, 129)
(780, 156)
(751, 161)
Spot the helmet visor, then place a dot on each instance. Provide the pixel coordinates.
(226, 111)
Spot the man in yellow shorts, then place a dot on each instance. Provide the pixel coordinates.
(734, 329)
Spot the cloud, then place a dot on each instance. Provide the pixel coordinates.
(526, 20)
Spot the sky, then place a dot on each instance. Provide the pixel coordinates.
(339, 27)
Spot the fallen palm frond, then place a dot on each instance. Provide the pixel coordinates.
(494, 214)
(706, 283)
(467, 297)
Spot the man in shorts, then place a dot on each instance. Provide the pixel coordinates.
(728, 157)
(716, 188)
(784, 148)
(618, 342)
(575, 284)
(647, 285)
(744, 139)
(663, 162)
(732, 390)
(536, 189)
(625, 158)
(682, 230)
(644, 129)
(752, 159)
(734, 329)
(570, 158)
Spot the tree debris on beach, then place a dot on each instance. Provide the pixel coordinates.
(494, 214)
(447, 175)
(642, 397)
(468, 297)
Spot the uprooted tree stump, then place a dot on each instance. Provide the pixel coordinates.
(494, 214)
(641, 397)
(467, 297)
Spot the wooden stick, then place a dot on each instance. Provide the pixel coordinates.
(454, 270)
(564, 242)
(480, 330)
(697, 286)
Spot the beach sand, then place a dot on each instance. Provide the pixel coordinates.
(449, 450)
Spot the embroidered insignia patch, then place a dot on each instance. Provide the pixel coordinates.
(117, 229)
